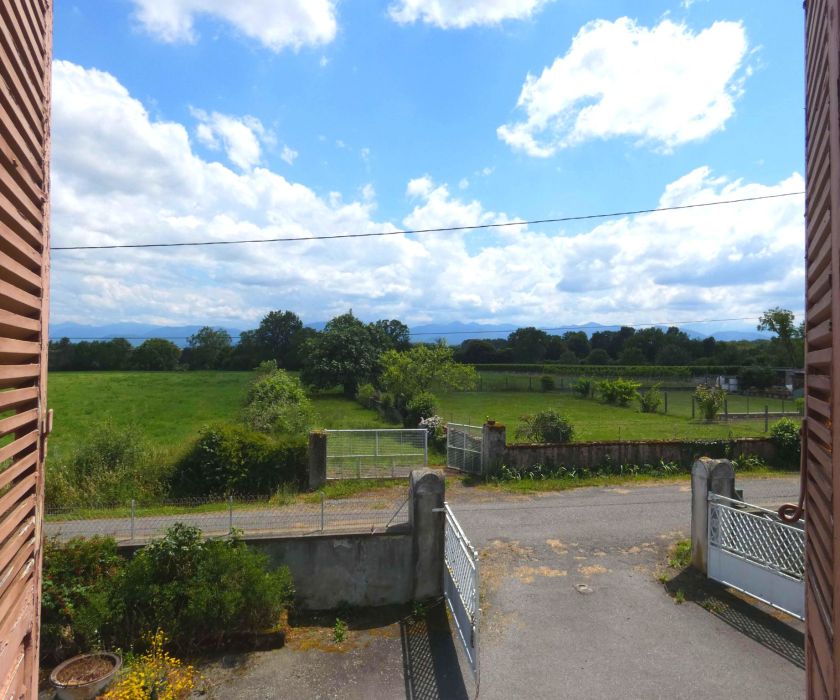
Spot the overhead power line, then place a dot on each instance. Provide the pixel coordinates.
(444, 229)
(593, 327)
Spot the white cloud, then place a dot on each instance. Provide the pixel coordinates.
(276, 25)
(459, 14)
(463, 183)
(289, 155)
(241, 137)
(664, 86)
(120, 176)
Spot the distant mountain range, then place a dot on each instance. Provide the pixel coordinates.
(454, 332)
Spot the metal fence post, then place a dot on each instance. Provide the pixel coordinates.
(666, 402)
(766, 417)
(133, 509)
(692, 408)
(230, 514)
(726, 409)
(322, 511)
(425, 448)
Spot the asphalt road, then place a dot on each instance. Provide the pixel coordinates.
(623, 636)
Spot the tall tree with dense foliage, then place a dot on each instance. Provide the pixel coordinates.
(528, 344)
(395, 335)
(345, 353)
(278, 334)
(783, 323)
(156, 354)
(208, 348)
(424, 368)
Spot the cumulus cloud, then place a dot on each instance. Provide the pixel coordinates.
(459, 14)
(665, 85)
(122, 176)
(276, 25)
(241, 137)
(289, 155)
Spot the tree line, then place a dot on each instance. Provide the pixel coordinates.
(347, 350)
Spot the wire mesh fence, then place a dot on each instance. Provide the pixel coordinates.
(255, 516)
(463, 447)
(375, 454)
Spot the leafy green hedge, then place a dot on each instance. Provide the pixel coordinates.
(659, 371)
(231, 459)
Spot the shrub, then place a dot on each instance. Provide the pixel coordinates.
(365, 395)
(619, 392)
(75, 609)
(436, 427)
(199, 591)
(112, 465)
(547, 382)
(422, 405)
(546, 426)
(277, 403)
(583, 387)
(756, 377)
(651, 400)
(710, 400)
(784, 434)
(230, 459)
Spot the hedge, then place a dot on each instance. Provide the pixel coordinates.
(661, 371)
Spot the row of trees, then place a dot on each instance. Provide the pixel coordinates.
(347, 351)
(645, 346)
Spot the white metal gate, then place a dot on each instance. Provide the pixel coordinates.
(751, 550)
(463, 447)
(461, 587)
(376, 454)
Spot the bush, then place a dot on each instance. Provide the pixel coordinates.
(710, 399)
(543, 472)
(583, 387)
(112, 465)
(547, 427)
(651, 400)
(784, 434)
(277, 403)
(422, 405)
(547, 382)
(365, 395)
(436, 427)
(619, 392)
(199, 591)
(230, 459)
(756, 377)
(75, 602)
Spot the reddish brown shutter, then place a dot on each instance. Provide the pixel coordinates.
(822, 500)
(25, 61)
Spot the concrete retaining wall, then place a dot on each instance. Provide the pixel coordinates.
(328, 570)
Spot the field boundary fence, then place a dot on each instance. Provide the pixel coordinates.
(464, 447)
(376, 453)
(251, 517)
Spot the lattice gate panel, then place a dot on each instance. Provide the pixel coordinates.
(822, 438)
(25, 64)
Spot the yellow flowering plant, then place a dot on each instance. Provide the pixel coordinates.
(155, 675)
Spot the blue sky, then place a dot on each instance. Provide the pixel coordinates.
(189, 119)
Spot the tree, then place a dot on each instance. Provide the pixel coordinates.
(781, 322)
(277, 403)
(598, 356)
(344, 353)
(578, 343)
(528, 344)
(423, 368)
(395, 335)
(278, 335)
(156, 354)
(477, 352)
(209, 348)
(247, 353)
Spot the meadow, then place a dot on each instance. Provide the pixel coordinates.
(170, 408)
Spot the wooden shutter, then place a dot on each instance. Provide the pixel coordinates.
(25, 63)
(822, 432)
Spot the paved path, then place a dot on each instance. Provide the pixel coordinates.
(626, 638)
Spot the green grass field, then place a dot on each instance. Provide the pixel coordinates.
(170, 408)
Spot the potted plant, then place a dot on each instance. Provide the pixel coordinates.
(85, 676)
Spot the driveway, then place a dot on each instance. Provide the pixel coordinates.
(623, 636)
(572, 606)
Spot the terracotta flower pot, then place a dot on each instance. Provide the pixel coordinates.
(80, 678)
